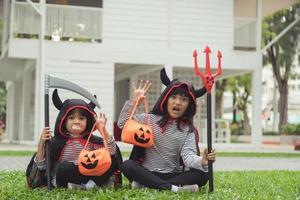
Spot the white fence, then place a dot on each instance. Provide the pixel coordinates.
(245, 32)
(220, 131)
(62, 21)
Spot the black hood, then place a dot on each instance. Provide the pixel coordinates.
(170, 85)
(67, 106)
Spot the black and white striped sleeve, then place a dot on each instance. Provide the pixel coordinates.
(189, 154)
(125, 114)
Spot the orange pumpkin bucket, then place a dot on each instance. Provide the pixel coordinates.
(137, 133)
(94, 162)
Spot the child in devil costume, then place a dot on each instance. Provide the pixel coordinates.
(72, 128)
(175, 141)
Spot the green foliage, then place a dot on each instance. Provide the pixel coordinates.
(228, 185)
(291, 129)
(270, 133)
(235, 129)
(282, 53)
(16, 153)
(240, 86)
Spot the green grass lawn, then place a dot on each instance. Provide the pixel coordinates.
(228, 185)
(219, 154)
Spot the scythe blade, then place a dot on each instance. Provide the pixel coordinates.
(55, 82)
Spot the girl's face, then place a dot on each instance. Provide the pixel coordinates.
(76, 123)
(177, 105)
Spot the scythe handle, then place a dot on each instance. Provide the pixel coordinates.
(47, 145)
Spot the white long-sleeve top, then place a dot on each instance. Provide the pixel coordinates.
(169, 144)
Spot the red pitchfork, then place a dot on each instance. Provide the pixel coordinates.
(208, 82)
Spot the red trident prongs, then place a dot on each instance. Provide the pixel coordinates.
(207, 78)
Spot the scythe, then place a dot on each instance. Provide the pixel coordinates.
(54, 82)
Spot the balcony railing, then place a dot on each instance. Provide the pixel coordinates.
(63, 22)
(245, 33)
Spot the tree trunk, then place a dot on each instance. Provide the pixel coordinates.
(282, 87)
(246, 123)
(220, 88)
(234, 109)
(283, 104)
(219, 107)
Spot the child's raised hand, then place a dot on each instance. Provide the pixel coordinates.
(101, 120)
(141, 90)
(101, 123)
(45, 135)
(208, 156)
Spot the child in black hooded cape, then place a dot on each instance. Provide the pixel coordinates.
(66, 145)
(173, 162)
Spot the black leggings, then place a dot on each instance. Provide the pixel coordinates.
(68, 172)
(162, 181)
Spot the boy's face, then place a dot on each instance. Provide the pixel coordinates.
(177, 105)
(76, 123)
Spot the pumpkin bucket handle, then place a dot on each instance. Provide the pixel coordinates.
(145, 107)
(101, 133)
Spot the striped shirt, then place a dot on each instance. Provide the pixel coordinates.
(169, 144)
(73, 148)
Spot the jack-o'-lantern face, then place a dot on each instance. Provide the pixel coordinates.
(142, 136)
(91, 162)
(138, 134)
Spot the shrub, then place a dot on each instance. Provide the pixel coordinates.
(291, 129)
(270, 133)
(236, 129)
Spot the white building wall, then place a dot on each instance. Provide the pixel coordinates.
(167, 27)
(202, 22)
(135, 23)
(159, 32)
(154, 32)
(96, 77)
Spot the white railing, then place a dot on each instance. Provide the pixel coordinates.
(245, 32)
(62, 21)
(220, 131)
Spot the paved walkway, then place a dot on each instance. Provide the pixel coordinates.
(222, 163)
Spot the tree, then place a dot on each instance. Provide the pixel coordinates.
(220, 89)
(241, 90)
(2, 101)
(282, 53)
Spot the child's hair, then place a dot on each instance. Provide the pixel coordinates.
(187, 117)
(90, 119)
